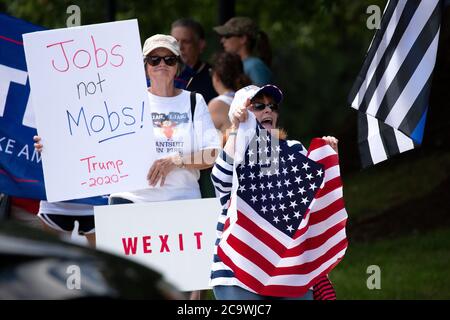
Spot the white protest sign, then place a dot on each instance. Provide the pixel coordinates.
(89, 96)
(175, 238)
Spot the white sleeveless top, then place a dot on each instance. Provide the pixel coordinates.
(226, 97)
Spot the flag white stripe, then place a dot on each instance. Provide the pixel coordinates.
(386, 39)
(403, 141)
(270, 255)
(223, 164)
(331, 173)
(327, 199)
(216, 266)
(284, 239)
(313, 230)
(321, 153)
(248, 211)
(257, 245)
(410, 35)
(223, 281)
(324, 202)
(414, 86)
(321, 227)
(223, 178)
(376, 146)
(287, 280)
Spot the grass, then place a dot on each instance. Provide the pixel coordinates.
(408, 236)
(377, 189)
(412, 267)
(398, 220)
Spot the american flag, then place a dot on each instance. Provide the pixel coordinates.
(288, 228)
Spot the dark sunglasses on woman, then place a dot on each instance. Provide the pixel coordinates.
(168, 60)
(261, 106)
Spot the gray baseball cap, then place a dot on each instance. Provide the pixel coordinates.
(237, 26)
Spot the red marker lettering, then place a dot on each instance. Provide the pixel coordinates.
(146, 242)
(164, 245)
(198, 235)
(117, 55)
(180, 241)
(129, 246)
(88, 162)
(64, 54)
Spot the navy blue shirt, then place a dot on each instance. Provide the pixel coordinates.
(197, 79)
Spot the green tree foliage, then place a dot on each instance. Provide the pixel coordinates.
(318, 45)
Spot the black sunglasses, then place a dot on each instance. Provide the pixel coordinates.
(155, 60)
(261, 106)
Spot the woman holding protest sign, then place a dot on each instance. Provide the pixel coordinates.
(185, 138)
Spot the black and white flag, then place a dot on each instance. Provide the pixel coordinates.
(392, 89)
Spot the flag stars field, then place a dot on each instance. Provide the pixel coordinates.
(305, 166)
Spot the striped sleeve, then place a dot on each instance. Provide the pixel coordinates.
(222, 173)
(323, 289)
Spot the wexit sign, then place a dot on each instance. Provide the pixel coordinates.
(176, 238)
(90, 101)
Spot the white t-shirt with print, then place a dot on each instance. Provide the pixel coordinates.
(174, 132)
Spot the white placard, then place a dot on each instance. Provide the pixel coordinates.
(176, 238)
(89, 96)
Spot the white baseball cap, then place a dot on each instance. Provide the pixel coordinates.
(161, 41)
(249, 92)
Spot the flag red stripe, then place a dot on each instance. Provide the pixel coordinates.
(257, 286)
(293, 291)
(251, 254)
(226, 224)
(330, 161)
(315, 242)
(259, 233)
(321, 215)
(316, 143)
(270, 290)
(300, 269)
(279, 248)
(329, 186)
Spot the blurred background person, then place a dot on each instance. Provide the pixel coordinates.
(228, 76)
(195, 73)
(241, 35)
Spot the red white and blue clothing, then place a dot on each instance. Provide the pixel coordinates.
(221, 274)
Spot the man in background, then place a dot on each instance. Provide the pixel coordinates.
(195, 74)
